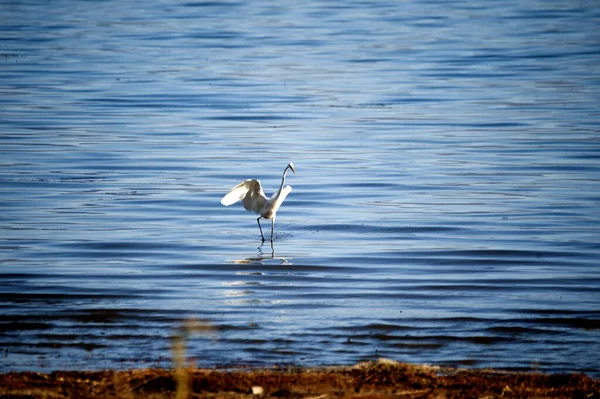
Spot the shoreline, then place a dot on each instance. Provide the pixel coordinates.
(382, 379)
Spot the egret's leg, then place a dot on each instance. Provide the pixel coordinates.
(272, 229)
(260, 228)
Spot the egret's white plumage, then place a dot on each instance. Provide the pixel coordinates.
(253, 199)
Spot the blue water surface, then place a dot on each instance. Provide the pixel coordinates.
(445, 210)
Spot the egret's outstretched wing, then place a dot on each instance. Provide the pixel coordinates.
(237, 193)
(277, 199)
(250, 193)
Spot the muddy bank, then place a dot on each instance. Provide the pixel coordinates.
(372, 380)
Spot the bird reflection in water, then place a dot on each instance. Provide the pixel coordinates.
(264, 258)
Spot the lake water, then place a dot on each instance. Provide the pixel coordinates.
(445, 210)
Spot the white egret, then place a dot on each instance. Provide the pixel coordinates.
(254, 200)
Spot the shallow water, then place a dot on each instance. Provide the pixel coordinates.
(444, 210)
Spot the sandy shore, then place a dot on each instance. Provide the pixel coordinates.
(370, 380)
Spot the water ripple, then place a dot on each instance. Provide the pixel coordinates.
(444, 209)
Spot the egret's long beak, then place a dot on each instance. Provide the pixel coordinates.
(291, 166)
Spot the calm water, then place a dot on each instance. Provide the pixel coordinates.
(446, 206)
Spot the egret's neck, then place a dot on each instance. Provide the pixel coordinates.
(282, 183)
(283, 178)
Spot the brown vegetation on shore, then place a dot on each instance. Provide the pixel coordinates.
(370, 380)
